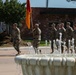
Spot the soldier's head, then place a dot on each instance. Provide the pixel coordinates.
(68, 24)
(53, 25)
(62, 25)
(58, 26)
(14, 25)
(36, 25)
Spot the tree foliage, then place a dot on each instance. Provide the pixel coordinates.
(11, 11)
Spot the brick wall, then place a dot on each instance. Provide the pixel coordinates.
(44, 16)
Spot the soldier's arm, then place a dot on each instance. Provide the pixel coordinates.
(55, 33)
(72, 32)
(64, 34)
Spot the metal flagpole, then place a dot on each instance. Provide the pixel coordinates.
(47, 3)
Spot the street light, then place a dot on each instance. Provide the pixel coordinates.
(47, 3)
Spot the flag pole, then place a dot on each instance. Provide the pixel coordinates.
(47, 3)
(32, 22)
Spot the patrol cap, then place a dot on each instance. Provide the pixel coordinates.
(62, 24)
(53, 24)
(15, 24)
(68, 23)
(37, 24)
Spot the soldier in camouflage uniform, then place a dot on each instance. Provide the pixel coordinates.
(16, 38)
(69, 34)
(62, 30)
(36, 37)
(52, 32)
(74, 36)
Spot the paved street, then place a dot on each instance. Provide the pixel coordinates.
(7, 56)
(7, 63)
(8, 66)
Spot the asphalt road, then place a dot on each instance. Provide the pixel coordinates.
(7, 56)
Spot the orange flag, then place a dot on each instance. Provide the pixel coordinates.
(28, 14)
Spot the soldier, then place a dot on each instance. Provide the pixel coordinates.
(16, 38)
(52, 32)
(36, 37)
(62, 30)
(74, 36)
(69, 34)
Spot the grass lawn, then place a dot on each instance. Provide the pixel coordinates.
(42, 43)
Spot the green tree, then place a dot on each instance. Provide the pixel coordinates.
(11, 11)
(1, 10)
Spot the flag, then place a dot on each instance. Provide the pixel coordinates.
(28, 14)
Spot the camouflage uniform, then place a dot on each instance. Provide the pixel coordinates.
(52, 32)
(62, 30)
(74, 36)
(16, 37)
(69, 34)
(36, 37)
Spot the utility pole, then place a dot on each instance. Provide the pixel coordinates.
(47, 3)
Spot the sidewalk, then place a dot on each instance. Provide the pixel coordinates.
(7, 63)
(10, 51)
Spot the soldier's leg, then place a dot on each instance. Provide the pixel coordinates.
(14, 45)
(71, 47)
(57, 44)
(34, 45)
(35, 49)
(62, 48)
(38, 43)
(75, 48)
(17, 46)
(67, 45)
(74, 45)
(52, 46)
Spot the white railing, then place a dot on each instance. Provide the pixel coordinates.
(47, 64)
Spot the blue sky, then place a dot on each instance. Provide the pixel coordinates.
(51, 4)
(36, 3)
